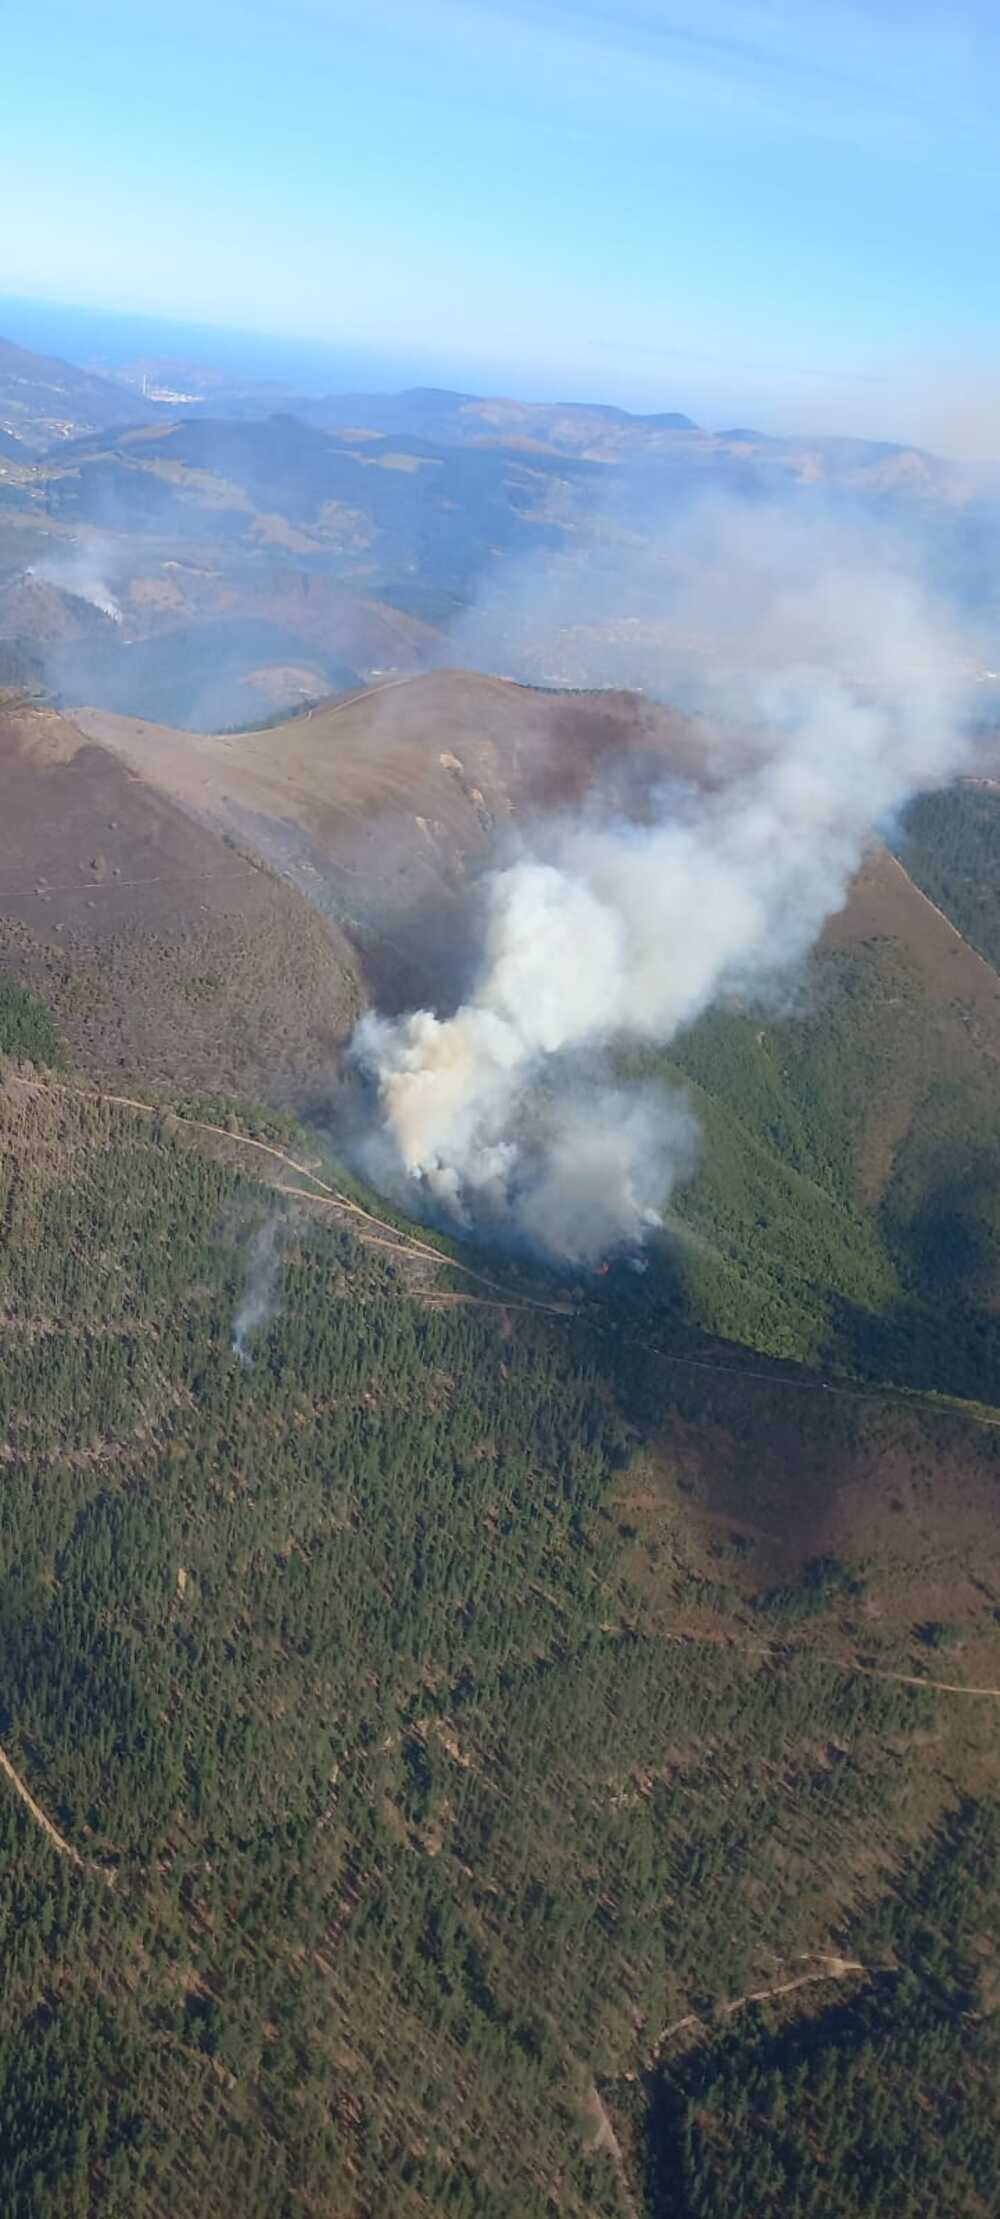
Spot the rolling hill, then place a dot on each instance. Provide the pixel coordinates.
(267, 558)
(164, 954)
(256, 564)
(594, 432)
(847, 1208)
(380, 807)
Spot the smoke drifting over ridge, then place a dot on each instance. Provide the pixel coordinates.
(848, 677)
(79, 571)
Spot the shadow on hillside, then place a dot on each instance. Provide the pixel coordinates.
(747, 2119)
(425, 958)
(949, 1247)
(792, 1460)
(950, 1347)
(943, 1332)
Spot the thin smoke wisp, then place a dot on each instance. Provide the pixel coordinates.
(261, 1287)
(848, 679)
(79, 573)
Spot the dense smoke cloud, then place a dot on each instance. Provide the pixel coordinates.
(847, 680)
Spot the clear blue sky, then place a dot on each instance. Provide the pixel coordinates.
(787, 213)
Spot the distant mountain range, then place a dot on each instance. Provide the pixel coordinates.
(243, 560)
(594, 432)
(44, 401)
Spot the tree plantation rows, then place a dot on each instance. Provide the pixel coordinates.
(406, 1809)
(885, 2104)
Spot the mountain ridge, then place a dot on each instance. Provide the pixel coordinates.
(44, 399)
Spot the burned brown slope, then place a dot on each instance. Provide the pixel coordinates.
(165, 954)
(381, 806)
(931, 1032)
(33, 610)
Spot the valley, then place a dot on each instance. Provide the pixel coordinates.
(339, 857)
(263, 550)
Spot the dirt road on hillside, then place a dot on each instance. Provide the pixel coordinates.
(65, 1848)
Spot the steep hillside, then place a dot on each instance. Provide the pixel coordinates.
(874, 2106)
(847, 1207)
(404, 1740)
(380, 807)
(950, 845)
(163, 953)
(38, 613)
(43, 400)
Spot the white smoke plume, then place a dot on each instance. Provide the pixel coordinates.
(79, 571)
(261, 1288)
(848, 681)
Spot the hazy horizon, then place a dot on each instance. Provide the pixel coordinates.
(777, 217)
(106, 339)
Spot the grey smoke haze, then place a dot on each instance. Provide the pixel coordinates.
(816, 636)
(689, 598)
(261, 1287)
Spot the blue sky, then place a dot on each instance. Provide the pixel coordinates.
(779, 213)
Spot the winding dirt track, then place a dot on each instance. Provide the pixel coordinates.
(826, 1968)
(41, 1818)
(327, 1194)
(410, 1244)
(912, 1679)
(823, 1967)
(501, 1296)
(605, 2138)
(777, 1650)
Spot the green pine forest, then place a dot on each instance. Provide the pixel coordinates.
(444, 1718)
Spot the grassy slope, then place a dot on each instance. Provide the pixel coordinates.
(360, 1668)
(847, 1205)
